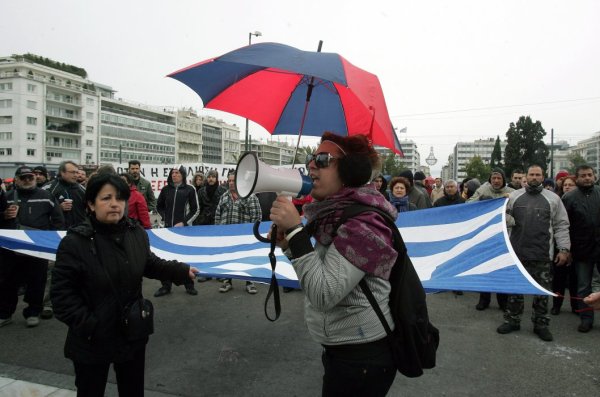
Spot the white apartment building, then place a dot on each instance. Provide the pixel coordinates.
(47, 114)
(189, 137)
(412, 157)
(465, 151)
(589, 149)
(273, 153)
(130, 131)
(220, 141)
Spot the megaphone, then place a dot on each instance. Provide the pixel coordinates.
(254, 176)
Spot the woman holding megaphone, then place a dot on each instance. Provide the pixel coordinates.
(357, 358)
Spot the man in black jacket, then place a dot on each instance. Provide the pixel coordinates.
(583, 208)
(68, 193)
(28, 207)
(451, 195)
(177, 205)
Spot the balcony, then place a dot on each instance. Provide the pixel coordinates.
(63, 99)
(63, 114)
(62, 145)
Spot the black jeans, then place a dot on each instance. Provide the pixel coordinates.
(364, 370)
(90, 379)
(169, 284)
(17, 269)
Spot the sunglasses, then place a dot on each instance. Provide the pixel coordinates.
(321, 160)
(27, 177)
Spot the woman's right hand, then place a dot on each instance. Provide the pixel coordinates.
(284, 213)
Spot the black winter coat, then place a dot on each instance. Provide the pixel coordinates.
(37, 210)
(583, 208)
(62, 190)
(449, 200)
(83, 297)
(208, 205)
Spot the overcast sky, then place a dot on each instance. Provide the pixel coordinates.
(450, 70)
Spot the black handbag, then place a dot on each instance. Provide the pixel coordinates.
(138, 319)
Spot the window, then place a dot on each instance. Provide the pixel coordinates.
(5, 86)
(5, 151)
(32, 104)
(88, 157)
(31, 152)
(5, 119)
(31, 136)
(5, 136)
(89, 129)
(89, 142)
(5, 103)
(32, 120)
(31, 87)
(89, 101)
(89, 116)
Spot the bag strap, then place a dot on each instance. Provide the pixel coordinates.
(367, 291)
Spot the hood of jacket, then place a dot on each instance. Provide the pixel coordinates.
(183, 173)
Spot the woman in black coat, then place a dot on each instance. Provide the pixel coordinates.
(98, 271)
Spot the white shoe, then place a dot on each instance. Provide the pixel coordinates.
(33, 321)
(5, 321)
(225, 287)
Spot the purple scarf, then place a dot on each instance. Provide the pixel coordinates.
(364, 240)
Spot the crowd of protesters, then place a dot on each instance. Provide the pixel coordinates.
(553, 224)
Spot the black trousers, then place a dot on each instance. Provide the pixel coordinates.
(564, 277)
(90, 379)
(364, 370)
(169, 284)
(17, 269)
(487, 297)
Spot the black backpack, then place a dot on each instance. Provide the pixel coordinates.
(415, 340)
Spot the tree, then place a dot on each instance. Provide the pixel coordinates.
(476, 168)
(496, 160)
(576, 160)
(525, 145)
(392, 165)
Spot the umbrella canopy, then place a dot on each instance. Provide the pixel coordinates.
(268, 84)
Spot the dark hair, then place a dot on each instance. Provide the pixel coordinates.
(516, 171)
(357, 166)
(134, 162)
(62, 167)
(400, 179)
(106, 169)
(583, 167)
(536, 165)
(97, 182)
(127, 176)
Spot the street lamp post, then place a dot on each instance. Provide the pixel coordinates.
(246, 141)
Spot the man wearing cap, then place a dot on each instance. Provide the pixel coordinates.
(142, 185)
(69, 194)
(415, 195)
(419, 184)
(495, 187)
(28, 207)
(41, 175)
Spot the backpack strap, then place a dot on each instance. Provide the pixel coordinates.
(354, 210)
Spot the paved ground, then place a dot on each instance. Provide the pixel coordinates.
(222, 345)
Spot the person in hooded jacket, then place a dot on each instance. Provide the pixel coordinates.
(208, 198)
(494, 188)
(177, 205)
(381, 184)
(99, 269)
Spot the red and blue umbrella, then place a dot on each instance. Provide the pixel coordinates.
(289, 91)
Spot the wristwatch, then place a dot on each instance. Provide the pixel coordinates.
(565, 250)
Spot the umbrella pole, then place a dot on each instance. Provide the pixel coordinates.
(308, 95)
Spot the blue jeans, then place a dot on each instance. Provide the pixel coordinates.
(585, 271)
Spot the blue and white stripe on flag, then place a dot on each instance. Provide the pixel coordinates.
(463, 247)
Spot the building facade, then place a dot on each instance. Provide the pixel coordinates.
(465, 151)
(47, 115)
